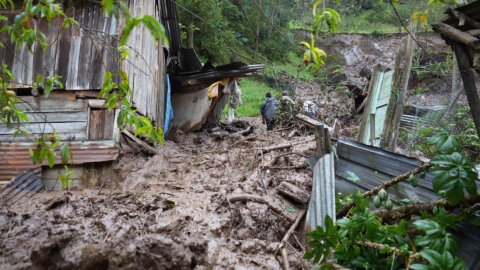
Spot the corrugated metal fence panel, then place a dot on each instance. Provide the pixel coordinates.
(73, 54)
(16, 156)
(375, 166)
(322, 201)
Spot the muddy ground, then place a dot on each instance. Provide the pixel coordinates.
(174, 210)
(169, 211)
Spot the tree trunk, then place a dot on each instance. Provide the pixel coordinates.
(257, 33)
(191, 30)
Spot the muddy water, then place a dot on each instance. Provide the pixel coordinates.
(169, 212)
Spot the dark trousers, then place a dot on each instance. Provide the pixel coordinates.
(270, 124)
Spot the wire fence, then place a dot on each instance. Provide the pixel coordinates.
(451, 113)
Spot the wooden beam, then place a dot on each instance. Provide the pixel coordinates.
(463, 18)
(474, 32)
(311, 122)
(455, 34)
(468, 77)
(140, 142)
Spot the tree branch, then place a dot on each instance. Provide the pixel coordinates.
(415, 209)
(388, 184)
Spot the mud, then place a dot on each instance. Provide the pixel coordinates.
(169, 211)
(172, 210)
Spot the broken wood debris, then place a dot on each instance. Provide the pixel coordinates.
(293, 192)
(290, 231)
(140, 142)
(282, 146)
(263, 200)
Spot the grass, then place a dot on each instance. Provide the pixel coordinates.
(253, 94)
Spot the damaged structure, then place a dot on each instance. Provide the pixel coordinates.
(82, 56)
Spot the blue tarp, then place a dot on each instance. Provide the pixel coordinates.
(169, 109)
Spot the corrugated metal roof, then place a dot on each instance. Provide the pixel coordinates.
(168, 17)
(16, 158)
(375, 166)
(322, 200)
(215, 74)
(189, 60)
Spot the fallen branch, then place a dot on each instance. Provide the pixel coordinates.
(298, 167)
(275, 159)
(254, 198)
(231, 145)
(282, 146)
(140, 142)
(281, 246)
(344, 211)
(415, 209)
(295, 193)
(376, 246)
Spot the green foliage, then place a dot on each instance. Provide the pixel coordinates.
(127, 116)
(46, 147)
(454, 173)
(48, 85)
(391, 246)
(323, 241)
(327, 15)
(20, 31)
(66, 178)
(313, 52)
(352, 177)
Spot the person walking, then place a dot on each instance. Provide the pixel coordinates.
(269, 106)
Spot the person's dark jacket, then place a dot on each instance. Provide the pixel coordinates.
(268, 108)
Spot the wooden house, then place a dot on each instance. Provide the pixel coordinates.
(81, 56)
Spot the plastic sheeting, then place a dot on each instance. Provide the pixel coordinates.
(169, 108)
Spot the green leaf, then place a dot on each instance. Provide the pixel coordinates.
(445, 142)
(65, 153)
(107, 7)
(353, 177)
(290, 209)
(420, 267)
(453, 173)
(51, 159)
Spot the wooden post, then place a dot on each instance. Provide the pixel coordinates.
(320, 139)
(468, 77)
(372, 129)
(363, 124)
(395, 123)
(389, 129)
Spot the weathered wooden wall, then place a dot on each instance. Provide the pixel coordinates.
(80, 56)
(83, 56)
(146, 68)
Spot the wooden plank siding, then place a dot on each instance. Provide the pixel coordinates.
(101, 125)
(69, 118)
(71, 52)
(82, 57)
(146, 68)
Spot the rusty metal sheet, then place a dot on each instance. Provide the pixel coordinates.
(15, 157)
